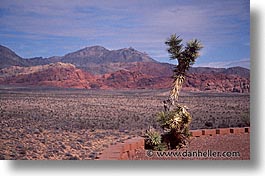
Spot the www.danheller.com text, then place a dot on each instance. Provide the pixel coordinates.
(193, 154)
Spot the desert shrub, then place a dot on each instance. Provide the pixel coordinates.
(246, 119)
(208, 124)
(161, 147)
(152, 138)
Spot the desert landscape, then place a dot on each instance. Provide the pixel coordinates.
(72, 107)
(79, 79)
(52, 123)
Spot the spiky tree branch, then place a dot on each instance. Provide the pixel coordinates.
(186, 57)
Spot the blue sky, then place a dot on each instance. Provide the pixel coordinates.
(34, 28)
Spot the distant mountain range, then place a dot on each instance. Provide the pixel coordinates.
(95, 59)
(99, 68)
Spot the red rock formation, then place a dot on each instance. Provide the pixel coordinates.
(136, 76)
(55, 75)
(217, 83)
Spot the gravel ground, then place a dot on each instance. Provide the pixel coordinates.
(228, 147)
(79, 124)
(38, 144)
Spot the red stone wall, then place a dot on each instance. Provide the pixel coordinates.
(127, 150)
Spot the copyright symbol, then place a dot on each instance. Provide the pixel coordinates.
(149, 153)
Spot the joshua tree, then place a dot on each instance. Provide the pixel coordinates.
(175, 119)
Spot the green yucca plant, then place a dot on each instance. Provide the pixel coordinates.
(175, 119)
(175, 124)
(161, 147)
(153, 138)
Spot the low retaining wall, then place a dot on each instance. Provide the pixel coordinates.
(219, 131)
(123, 151)
(127, 150)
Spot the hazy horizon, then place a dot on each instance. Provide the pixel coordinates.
(54, 28)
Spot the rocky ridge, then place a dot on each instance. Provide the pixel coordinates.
(99, 68)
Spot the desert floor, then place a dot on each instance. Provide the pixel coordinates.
(79, 124)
